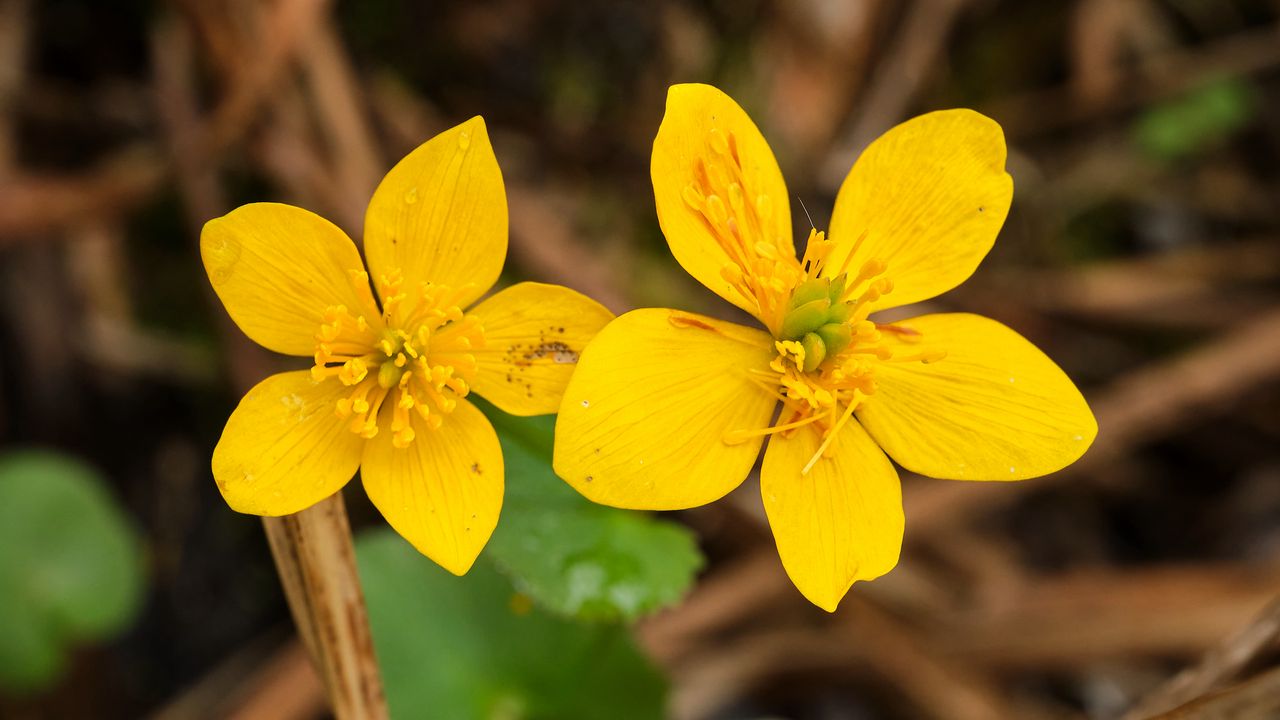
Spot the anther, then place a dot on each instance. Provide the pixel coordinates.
(694, 198)
(764, 208)
(353, 371)
(715, 207)
(870, 269)
(764, 249)
(718, 142)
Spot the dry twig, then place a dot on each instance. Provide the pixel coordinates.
(1223, 662)
(1255, 699)
(898, 77)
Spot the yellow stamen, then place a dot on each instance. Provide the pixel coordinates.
(822, 392)
(830, 436)
(740, 436)
(414, 359)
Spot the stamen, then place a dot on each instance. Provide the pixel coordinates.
(735, 437)
(418, 360)
(718, 212)
(828, 350)
(693, 196)
(831, 436)
(718, 142)
(742, 221)
(353, 371)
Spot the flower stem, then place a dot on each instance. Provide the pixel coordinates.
(316, 563)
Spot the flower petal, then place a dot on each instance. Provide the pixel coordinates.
(840, 522)
(533, 336)
(644, 417)
(706, 144)
(443, 493)
(927, 199)
(277, 268)
(440, 215)
(995, 408)
(284, 449)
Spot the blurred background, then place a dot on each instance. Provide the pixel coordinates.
(1142, 253)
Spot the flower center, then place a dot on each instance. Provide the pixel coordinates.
(415, 357)
(828, 349)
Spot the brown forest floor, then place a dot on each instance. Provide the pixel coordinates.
(1150, 271)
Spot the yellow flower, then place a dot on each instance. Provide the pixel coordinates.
(392, 371)
(669, 410)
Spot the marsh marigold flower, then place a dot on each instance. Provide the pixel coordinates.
(669, 409)
(392, 369)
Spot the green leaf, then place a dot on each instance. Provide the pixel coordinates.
(573, 556)
(1197, 120)
(471, 647)
(70, 565)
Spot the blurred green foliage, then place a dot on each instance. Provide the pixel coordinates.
(472, 647)
(575, 557)
(70, 565)
(1196, 121)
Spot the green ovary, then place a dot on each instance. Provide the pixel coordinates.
(817, 318)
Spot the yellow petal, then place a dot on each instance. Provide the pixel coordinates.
(995, 408)
(645, 415)
(284, 448)
(927, 198)
(840, 522)
(704, 128)
(440, 215)
(533, 336)
(443, 493)
(277, 268)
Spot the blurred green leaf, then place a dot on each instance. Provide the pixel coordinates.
(573, 556)
(70, 565)
(471, 647)
(1197, 120)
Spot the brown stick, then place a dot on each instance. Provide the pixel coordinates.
(317, 567)
(1256, 698)
(339, 110)
(286, 688)
(34, 205)
(257, 682)
(897, 80)
(1221, 663)
(15, 37)
(288, 25)
(1089, 616)
(938, 686)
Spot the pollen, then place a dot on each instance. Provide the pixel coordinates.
(415, 358)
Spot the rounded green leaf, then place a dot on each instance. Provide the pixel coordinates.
(70, 565)
(575, 557)
(472, 647)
